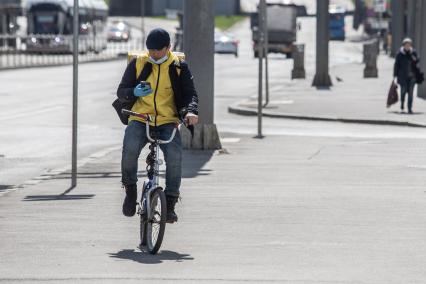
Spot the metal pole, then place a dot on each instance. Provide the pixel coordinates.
(261, 49)
(75, 95)
(398, 10)
(265, 35)
(322, 78)
(143, 22)
(379, 33)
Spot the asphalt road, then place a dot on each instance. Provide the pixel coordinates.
(35, 134)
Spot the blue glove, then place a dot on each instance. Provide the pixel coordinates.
(140, 91)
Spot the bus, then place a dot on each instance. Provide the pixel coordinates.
(50, 26)
(373, 24)
(337, 23)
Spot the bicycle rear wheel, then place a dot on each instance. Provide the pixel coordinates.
(155, 227)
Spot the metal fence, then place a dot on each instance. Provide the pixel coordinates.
(49, 50)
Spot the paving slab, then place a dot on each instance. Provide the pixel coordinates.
(352, 98)
(279, 210)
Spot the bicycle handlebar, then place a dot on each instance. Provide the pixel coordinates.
(147, 119)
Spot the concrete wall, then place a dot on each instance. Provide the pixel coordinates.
(125, 8)
(158, 7)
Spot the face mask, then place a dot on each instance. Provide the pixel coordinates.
(159, 61)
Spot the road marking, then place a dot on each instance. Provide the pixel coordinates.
(30, 113)
(417, 166)
(230, 140)
(58, 171)
(271, 103)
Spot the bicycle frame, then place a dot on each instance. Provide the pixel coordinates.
(155, 181)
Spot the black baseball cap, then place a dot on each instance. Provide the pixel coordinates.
(158, 39)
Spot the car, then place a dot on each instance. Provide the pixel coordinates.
(225, 43)
(118, 32)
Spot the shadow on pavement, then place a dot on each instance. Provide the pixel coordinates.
(193, 163)
(80, 175)
(323, 88)
(58, 197)
(4, 187)
(406, 113)
(144, 257)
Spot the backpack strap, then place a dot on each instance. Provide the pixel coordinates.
(140, 64)
(180, 56)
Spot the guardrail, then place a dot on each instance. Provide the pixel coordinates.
(49, 50)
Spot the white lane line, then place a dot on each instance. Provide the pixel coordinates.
(230, 140)
(30, 113)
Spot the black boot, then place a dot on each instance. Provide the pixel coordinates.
(171, 214)
(129, 204)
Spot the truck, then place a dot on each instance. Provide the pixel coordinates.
(281, 27)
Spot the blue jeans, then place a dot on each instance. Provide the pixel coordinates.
(407, 87)
(135, 140)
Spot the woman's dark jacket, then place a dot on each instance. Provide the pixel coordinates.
(405, 66)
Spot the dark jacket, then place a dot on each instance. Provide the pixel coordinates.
(185, 95)
(405, 66)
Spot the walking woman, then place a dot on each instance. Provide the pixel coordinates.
(405, 72)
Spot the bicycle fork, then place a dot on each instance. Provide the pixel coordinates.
(152, 183)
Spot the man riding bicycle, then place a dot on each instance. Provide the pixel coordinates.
(168, 95)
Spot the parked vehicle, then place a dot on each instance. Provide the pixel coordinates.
(225, 43)
(281, 26)
(118, 31)
(337, 23)
(50, 26)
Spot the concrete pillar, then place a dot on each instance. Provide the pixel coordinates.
(370, 56)
(322, 77)
(298, 55)
(411, 18)
(417, 22)
(398, 24)
(3, 24)
(198, 25)
(420, 42)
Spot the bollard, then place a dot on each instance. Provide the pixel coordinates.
(370, 58)
(178, 44)
(298, 55)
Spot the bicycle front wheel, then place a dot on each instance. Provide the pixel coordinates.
(156, 226)
(142, 231)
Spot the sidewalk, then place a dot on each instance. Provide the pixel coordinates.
(355, 99)
(298, 210)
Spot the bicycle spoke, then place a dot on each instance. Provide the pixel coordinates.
(156, 224)
(156, 219)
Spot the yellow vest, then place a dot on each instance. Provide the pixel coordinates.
(160, 104)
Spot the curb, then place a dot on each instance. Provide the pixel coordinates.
(235, 109)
